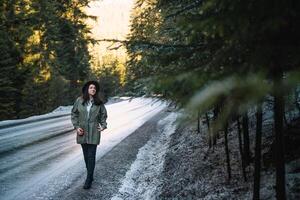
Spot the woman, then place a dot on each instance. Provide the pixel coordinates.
(88, 117)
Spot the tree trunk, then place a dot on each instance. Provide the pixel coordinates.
(247, 153)
(279, 143)
(227, 152)
(239, 131)
(73, 90)
(285, 120)
(208, 130)
(296, 100)
(215, 133)
(257, 161)
(198, 122)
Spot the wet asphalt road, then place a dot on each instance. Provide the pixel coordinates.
(41, 160)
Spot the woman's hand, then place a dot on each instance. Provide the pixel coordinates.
(80, 131)
(100, 128)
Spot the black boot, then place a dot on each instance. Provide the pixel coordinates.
(90, 174)
(90, 165)
(88, 183)
(89, 177)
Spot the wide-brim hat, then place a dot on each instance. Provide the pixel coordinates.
(87, 84)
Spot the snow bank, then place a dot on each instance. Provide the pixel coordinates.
(58, 112)
(143, 177)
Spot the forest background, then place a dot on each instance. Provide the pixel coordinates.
(218, 59)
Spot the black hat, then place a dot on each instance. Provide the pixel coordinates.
(87, 84)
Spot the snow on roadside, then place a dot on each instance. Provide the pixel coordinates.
(59, 111)
(143, 177)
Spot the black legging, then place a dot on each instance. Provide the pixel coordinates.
(89, 154)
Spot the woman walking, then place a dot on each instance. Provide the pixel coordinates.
(88, 117)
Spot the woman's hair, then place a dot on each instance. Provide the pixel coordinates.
(86, 97)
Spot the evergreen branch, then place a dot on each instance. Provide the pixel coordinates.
(8, 22)
(151, 44)
(187, 8)
(115, 48)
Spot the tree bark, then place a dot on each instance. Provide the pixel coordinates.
(239, 131)
(296, 100)
(215, 133)
(279, 139)
(257, 161)
(208, 130)
(227, 152)
(247, 153)
(198, 122)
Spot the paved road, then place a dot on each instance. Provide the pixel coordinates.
(41, 160)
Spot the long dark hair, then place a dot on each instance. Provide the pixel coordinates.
(96, 97)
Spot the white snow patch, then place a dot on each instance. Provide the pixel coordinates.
(63, 109)
(143, 177)
(59, 111)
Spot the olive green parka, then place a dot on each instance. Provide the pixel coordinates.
(89, 123)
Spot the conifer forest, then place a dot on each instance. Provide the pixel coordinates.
(231, 67)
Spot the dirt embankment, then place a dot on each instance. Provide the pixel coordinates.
(193, 171)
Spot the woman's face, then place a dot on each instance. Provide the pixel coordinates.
(92, 90)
